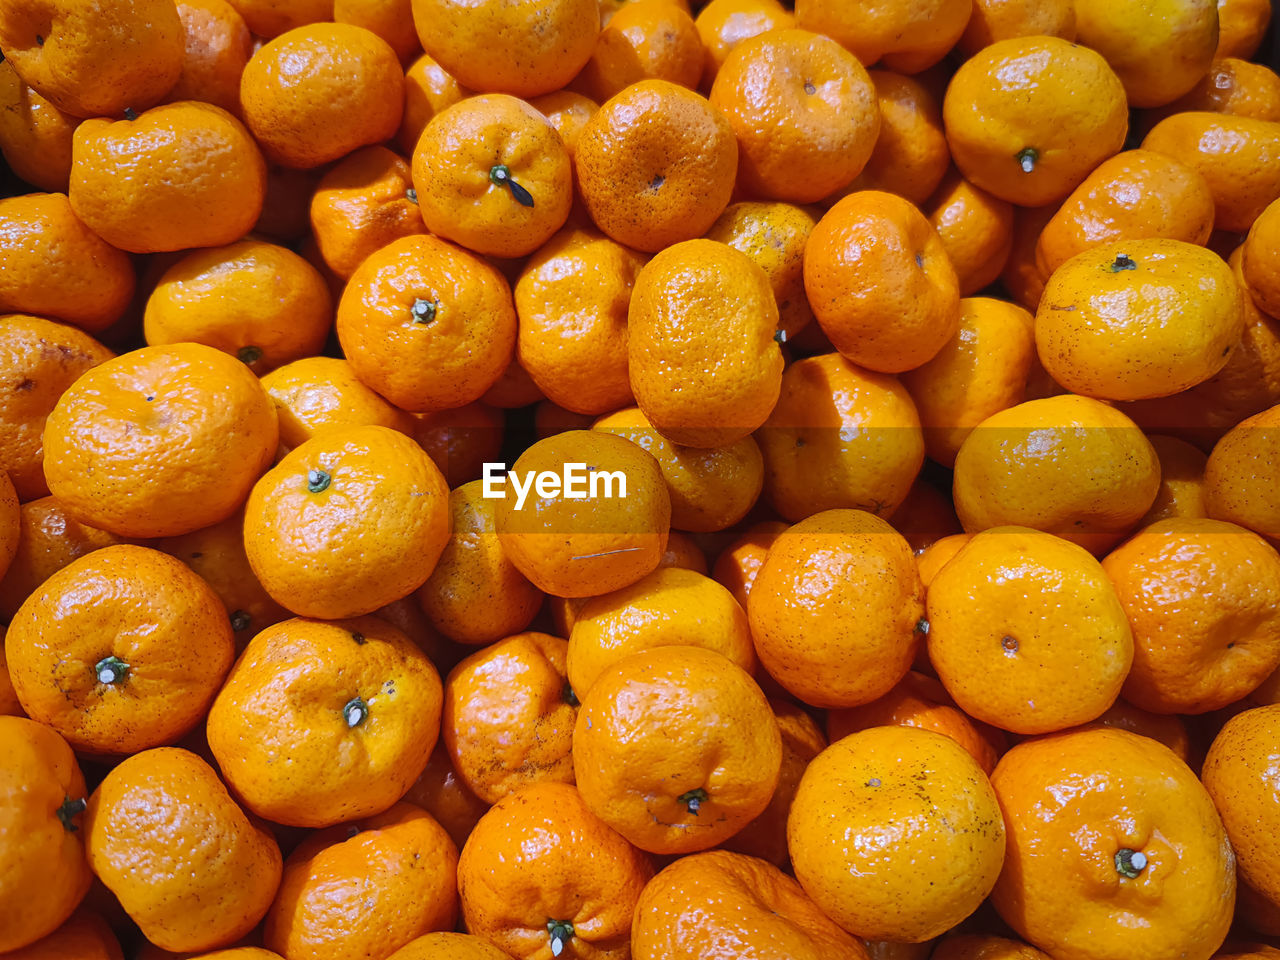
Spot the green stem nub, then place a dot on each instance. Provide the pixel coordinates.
(694, 800)
(1129, 863)
(500, 174)
(561, 933)
(424, 311)
(318, 481)
(1027, 158)
(130, 113)
(779, 336)
(1122, 262)
(111, 670)
(412, 195)
(570, 697)
(69, 810)
(356, 712)
(240, 620)
(249, 355)
(922, 626)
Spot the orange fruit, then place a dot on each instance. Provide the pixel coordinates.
(881, 798)
(746, 910)
(1241, 26)
(428, 89)
(462, 440)
(1236, 484)
(1254, 910)
(976, 230)
(361, 204)
(959, 946)
(1232, 86)
(907, 37)
(704, 364)
(187, 865)
(270, 18)
(492, 174)
(89, 64)
(1026, 631)
(44, 795)
(55, 266)
(444, 795)
(567, 112)
(736, 567)
(1022, 277)
(723, 24)
(1068, 465)
(840, 436)
(513, 388)
(317, 92)
(315, 395)
(1182, 469)
(524, 48)
(644, 40)
(1169, 729)
(804, 113)
(428, 325)
(347, 522)
(937, 555)
(9, 704)
(392, 20)
(711, 488)
(910, 156)
(85, 936)
(980, 371)
(1027, 118)
(136, 447)
(180, 175)
(508, 716)
(1143, 866)
(571, 301)
(584, 546)
(571, 892)
(1260, 262)
(217, 44)
(683, 552)
(994, 20)
(695, 766)
(365, 889)
(880, 282)
(448, 946)
(836, 607)
(656, 165)
(35, 136)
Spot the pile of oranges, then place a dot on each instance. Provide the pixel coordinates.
(605, 479)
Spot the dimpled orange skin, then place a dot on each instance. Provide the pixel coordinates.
(1043, 94)
(935, 556)
(1182, 468)
(180, 175)
(369, 534)
(834, 609)
(1137, 319)
(148, 610)
(976, 230)
(711, 488)
(35, 136)
(670, 606)
(737, 566)
(794, 144)
(462, 440)
(159, 441)
(745, 909)
(723, 24)
(1202, 597)
(317, 394)
(880, 282)
(188, 866)
(1137, 194)
(1239, 157)
(85, 936)
(910, 156)
(567, 112)
(571, 300)
(1241, 26)
(994, 20)
(645, 39)
(1236, 478)
(676, 748)
(444, 795)
(982, 370)
(840, 436)
(883, 798)
(508, 716)
(704, 365)
(445, 353)
(317, 92)
(456, 166)
(475, 595)
(1169, 729)
(1232, 86)
(585, 547)
(259, 302)
(56, 267)
(392, 20)
(361, 205)
(41, 849)
(94, 59)
(655, 165)
(524, 48)
(1261, 260)
(448, 946)
(1027, 633)
(541, 855)
(1040, 464)
(908, 38)
(349, 896)
(217, 46)
(428, 89)
(1071, 802)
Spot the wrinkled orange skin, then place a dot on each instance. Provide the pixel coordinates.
(136, 447)
(142, 607)
(539, 855)
(1072, 801)
(180, 175)
(1241, 26)
(1260, 264)
(975, 947)
(38, 775)
(86, 936)
(839, 437)
(446, 796)
(1181, 480)
(315, 395)
(317, 92)
(362, 204)
(345, 896)
(746, 910)
(644, 40)
(35, 136)
(270, 18)
(1232, 86)
(56, 267)
(1235, 478)
(656, 165)
(723, 24)
(910, 156)
(909, 38)
(428, 89)
(976, 230)
(189, 867)
(994, 20)
(448, 946)
(217, 45)
(392, 20)
(875, 800)
(736, 567)
(567, 112)
(462, 440)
